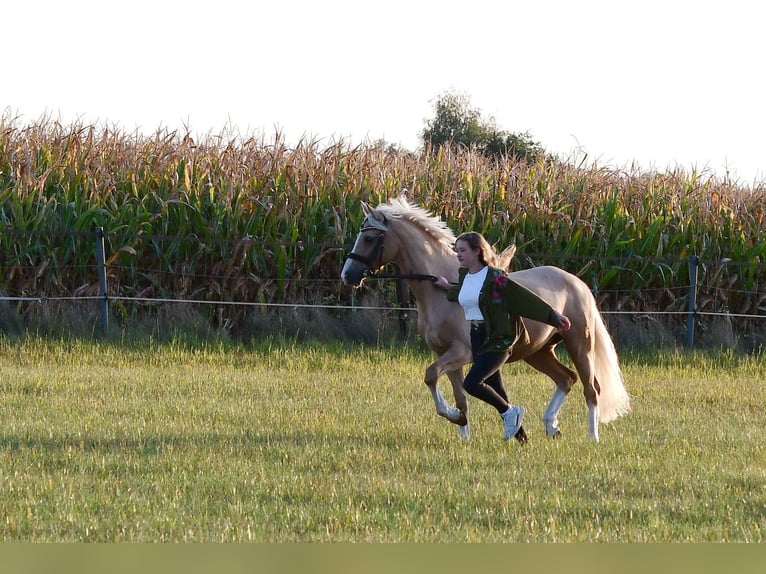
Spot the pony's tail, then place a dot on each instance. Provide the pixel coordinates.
(613, 399)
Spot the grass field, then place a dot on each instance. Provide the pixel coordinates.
(280, 442)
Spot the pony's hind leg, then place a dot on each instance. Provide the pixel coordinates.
(546, 362)
(583, 358)
(551, 414)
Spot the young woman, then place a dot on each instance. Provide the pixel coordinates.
(494, 304)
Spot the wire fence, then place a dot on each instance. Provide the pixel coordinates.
(100, 268)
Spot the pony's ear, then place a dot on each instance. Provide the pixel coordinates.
(373, 217)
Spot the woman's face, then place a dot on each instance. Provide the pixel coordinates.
(467, 257)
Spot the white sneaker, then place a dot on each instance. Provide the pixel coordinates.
(512, 421)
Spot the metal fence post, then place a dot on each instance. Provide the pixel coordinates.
(693, 263)
(101, 265)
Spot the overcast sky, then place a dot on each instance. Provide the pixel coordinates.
(662, 83)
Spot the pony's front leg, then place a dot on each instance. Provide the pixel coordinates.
(461, 402)
(459, 414)
(452, 414)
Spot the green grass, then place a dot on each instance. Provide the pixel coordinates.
(282, 442)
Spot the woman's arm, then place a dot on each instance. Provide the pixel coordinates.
(525, 303)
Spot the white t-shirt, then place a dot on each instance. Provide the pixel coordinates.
(469, 294)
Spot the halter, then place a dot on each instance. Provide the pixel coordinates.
(377, 254)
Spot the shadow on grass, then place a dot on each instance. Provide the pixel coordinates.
(301, 441)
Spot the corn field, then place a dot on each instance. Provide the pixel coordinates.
(226, 217)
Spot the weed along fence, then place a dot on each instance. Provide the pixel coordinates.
(116, 272)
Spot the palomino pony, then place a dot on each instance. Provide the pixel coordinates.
(422, 246)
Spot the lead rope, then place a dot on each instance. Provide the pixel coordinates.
(413, 276)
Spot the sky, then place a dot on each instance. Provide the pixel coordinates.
(656, 84)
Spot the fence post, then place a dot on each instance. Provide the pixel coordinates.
(403, 297)
(693, 263)
(101, 264)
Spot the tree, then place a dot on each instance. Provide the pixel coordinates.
(456, 122)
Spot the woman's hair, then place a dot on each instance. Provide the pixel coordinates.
(475, 241)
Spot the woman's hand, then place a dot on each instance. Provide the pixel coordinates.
(564, 323)
(442, 282)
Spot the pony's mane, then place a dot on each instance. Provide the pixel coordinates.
(401, 208)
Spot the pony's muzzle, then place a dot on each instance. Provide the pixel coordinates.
(352, 274)
(352, 281)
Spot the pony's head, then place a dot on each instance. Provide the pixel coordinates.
(366, 257)
(402, 233)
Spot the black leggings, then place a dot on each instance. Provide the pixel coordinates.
(484, 379)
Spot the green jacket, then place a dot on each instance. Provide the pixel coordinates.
(503, 303)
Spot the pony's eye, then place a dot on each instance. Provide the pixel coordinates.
(368, 239)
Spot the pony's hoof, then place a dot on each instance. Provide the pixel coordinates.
(521, 436)
(464, 432)
(461, 420)
(552, 429)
